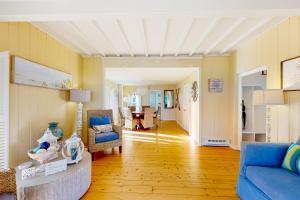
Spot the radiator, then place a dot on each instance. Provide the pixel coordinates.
(216, 142)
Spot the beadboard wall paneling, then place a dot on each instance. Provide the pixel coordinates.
(31, 108)
(269, 49)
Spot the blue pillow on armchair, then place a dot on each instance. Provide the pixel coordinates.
(99, 120)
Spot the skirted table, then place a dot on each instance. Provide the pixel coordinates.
(71, 184)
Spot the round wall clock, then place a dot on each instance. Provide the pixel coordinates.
(195, 91)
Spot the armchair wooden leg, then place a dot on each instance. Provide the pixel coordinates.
(120, 149)
(93, 156)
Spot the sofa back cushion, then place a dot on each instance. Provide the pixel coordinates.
(291, 157)
(99, 120)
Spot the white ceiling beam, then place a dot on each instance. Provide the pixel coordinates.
(84, 37)
(204, 35)
(99, 29)
(68, 10)
(185, 35)
(61, 37)
(144, 35)
(225, 34)
(165, 37)
(119, 24)
(246, 34)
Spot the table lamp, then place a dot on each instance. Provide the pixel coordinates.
(80, 96)
(268, 98)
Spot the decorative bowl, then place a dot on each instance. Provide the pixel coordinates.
(43, 156)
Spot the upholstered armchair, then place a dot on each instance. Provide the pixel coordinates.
(102, 141)
(8, 184)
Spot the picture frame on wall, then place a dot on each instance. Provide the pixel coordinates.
(290, 74)
(26, 72)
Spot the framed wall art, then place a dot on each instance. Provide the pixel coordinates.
(290, 74)
(26, 72)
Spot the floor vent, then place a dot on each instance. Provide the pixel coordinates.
(216, 142)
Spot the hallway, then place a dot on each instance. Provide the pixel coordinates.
(164, 164)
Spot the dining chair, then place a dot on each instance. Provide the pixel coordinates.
(147, 122)
(143, 107)
(130, 122)
(156, 117)
(132, 108)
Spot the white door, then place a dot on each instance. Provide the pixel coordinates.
(4, 109)
(186, 106)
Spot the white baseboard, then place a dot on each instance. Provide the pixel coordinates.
(235, 147)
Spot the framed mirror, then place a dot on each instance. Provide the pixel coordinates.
(169, 99)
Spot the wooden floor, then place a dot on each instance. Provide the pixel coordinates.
(164, 164)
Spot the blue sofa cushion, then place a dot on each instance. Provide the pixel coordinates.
(276, 183)
(99, 120)
(105, 137)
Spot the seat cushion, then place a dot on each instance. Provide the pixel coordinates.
(276, 183)
(99, 120)
(105, 137)
(8, 196)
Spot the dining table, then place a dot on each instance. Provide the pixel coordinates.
(139, 115)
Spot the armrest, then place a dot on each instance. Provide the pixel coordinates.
(118, 130)
(91, 137)
(262, 154)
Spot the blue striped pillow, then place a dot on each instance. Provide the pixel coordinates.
(291, 159)
(298, 165)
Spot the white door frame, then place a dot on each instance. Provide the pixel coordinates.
(240, 97)
(186, 106)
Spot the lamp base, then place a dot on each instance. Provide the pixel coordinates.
(79, 120)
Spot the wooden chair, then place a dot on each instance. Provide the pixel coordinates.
(8, 187)
(132, 108)
(143, 107)
(93, 146)
(148, 118)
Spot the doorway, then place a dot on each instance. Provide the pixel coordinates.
(156, 100)
(252, 117)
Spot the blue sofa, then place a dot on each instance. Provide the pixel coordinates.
(261, 176)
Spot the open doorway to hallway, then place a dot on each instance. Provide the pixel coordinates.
(148, 96)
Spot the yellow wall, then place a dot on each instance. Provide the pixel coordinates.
(215, 106)
(269, 49)
(93, 80)
(31, 108)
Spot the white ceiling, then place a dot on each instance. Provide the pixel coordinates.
(148, 76)
(150, 28)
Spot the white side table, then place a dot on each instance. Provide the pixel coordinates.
(71, 184)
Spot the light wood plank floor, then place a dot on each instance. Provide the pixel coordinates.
(164, 164)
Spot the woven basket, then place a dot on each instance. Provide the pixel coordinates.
(8, 181)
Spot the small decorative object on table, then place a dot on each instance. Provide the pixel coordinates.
(56, 131)
(47, 149)
(74, 149)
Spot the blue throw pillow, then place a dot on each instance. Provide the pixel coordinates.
(99, 120)
(290, 160)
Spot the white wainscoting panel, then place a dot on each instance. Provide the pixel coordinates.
(4, 109)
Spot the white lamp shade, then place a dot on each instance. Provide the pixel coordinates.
(268, 97)
(80, 96)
